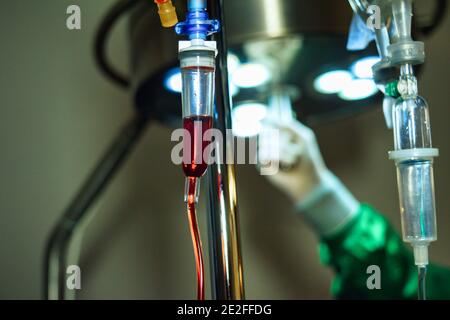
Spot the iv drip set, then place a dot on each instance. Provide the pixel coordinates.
(197, 63)
(413, 154)
(204, 107)
(408, 114)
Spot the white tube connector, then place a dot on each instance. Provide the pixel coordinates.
(420, 254)
(191, 189)
(197, 44)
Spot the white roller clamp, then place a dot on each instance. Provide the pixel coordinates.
(417, 153)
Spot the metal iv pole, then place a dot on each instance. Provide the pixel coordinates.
(224, 243)
(56, 251)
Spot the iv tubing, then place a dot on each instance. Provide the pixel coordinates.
(422, 272)
(195, 234)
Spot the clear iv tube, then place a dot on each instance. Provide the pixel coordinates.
(414, 160)
(421, 292)
(195, 234)
(413, 154)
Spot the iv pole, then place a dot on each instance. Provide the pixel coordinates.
(224, 243)
(56, 251)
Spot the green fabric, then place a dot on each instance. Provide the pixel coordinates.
(370, 240)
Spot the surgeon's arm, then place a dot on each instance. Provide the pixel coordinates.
(355, 238)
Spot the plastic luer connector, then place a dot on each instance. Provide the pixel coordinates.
(167, 13)
(197, 24)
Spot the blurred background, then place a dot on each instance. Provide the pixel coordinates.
(57, 116)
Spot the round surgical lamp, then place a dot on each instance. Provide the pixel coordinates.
(272, 43)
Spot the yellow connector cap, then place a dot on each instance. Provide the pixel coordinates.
(167, 14)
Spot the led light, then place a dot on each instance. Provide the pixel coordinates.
(246, 130)
(332, 81)
(173, 80)
(234, 89)
(233, 63)
(247, 119)
(363, 67)
(250, 112)
(358, 89)
(250, 75)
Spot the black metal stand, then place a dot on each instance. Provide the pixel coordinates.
(59, 241)
(224, 243)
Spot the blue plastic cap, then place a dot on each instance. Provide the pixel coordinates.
(196, 5)
(197, 25)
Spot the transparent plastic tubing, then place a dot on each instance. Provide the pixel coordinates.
(197, 64)
(413, 156)
(196, 240)
(422, 292)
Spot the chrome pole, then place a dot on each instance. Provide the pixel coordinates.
(224, 243)
(57, 248)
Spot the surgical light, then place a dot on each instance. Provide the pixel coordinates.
(358, 89)
(362, 68)
(250, 75)
(247, 119)
(173, 80)
(250, 111)
(233, 63)
(246, 130)
(332, 81)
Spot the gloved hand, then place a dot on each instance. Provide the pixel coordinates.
(317, 193)
(301, 165)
